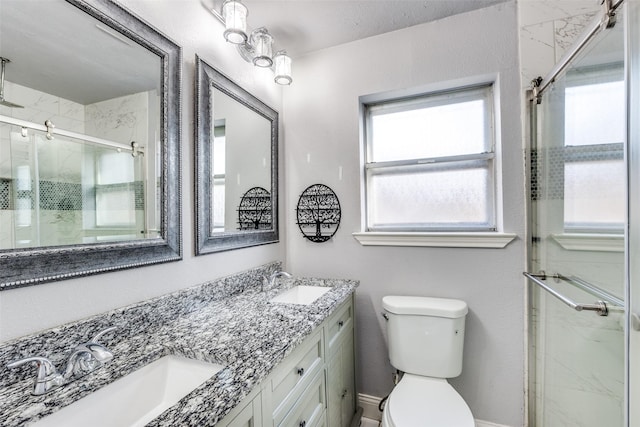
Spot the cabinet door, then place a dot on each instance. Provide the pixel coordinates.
(341, 399)
(334, 390)
(348, 392)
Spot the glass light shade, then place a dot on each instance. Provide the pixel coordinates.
(235, 18)
(262, 42)
(282, 68)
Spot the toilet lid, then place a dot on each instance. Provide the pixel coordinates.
(427, 402)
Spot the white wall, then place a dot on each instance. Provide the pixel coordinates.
(26, 310)
(322, 136)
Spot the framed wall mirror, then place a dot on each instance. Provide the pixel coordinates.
(236, 165)
(89, 141)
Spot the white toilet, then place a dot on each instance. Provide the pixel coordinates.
(426, 338)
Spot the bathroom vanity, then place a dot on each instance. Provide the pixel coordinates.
(281, 364)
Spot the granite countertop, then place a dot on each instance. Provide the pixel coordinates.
(244, 332)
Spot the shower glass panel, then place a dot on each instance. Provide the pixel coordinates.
(66, 191)
(578, 217)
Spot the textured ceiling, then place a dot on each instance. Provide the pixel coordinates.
(303, 26)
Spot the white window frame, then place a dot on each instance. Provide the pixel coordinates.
(481, 236)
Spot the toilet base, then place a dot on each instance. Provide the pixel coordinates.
(418, 401)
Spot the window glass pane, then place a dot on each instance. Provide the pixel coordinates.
(115, 168)
(115, 207)
(459, 197)
(217, 202)
(431, 131)
(595, 113)
(595, 194)
(219, 150)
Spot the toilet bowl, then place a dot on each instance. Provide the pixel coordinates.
(425, 402)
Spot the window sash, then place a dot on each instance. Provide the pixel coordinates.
(482, 93)
(485, 208)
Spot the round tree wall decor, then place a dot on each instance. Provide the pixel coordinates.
(318, 213)
(254, 212)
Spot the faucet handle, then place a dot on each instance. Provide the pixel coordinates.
(101, 333)
(45, 366)
(99, 351)
(47, 377)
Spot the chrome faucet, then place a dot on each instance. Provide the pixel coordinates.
(47, 377)
(271, 280)
(85, 358)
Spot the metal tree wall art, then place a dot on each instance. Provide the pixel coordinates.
(318, 213)
(254, 212)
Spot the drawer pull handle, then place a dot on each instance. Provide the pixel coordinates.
(303, 423)
(301, 371)
(340, 324)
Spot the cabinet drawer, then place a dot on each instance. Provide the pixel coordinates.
(337, 325)
(295, 374)
(309, 409)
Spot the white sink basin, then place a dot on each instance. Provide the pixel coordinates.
(137, 398)
(303, 295)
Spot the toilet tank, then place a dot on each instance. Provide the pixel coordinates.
(425, 335)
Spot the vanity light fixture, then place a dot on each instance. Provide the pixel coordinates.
(256, 48)
(235, 14)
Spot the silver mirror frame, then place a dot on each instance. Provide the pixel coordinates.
(33, 266)
(208, 78)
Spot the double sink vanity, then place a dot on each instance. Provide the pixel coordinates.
(224, 353)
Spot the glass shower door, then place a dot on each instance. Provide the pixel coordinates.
(577, 252)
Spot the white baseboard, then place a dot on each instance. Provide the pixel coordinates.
(480, 423)
(369, 404)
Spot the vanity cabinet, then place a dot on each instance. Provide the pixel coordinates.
(314, 386)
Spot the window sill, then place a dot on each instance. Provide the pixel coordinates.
(590, 242)
(436, 240)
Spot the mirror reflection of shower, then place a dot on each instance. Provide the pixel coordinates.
(59, 185)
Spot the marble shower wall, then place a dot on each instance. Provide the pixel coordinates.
(547, 29)
(122, 119)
